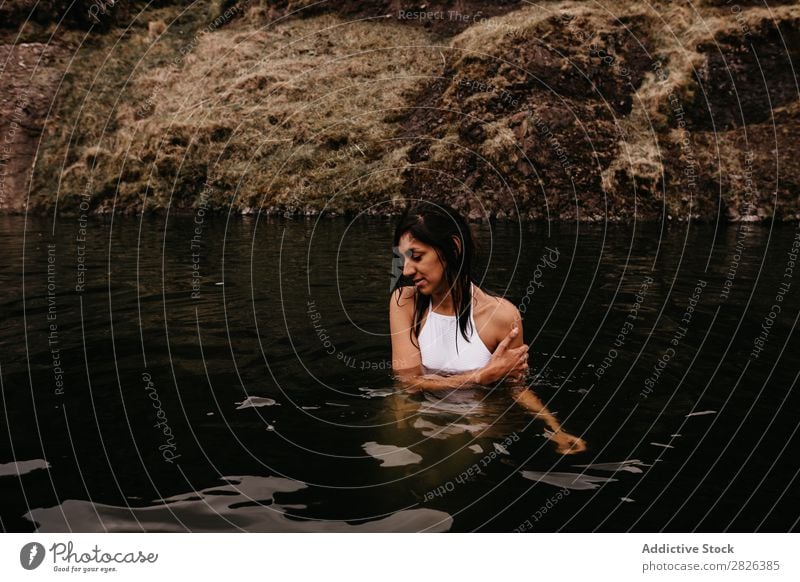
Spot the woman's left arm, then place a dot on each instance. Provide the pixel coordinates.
(566, 443)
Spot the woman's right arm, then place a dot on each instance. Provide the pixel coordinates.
(407, 360)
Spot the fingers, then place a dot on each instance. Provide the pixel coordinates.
(519, 370)
(518, 360)
(570, 445)
(522, 351)
(501, 347)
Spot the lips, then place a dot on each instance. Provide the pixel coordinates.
(419, 282)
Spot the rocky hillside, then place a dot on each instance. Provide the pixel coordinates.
(562, 110)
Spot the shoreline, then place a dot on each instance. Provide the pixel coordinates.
(273, 214)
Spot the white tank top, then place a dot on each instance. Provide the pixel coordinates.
(437, 344)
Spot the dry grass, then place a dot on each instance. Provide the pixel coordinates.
(645, 149)
(677, 30)
(305, 114)
(83, 139)
(289, 116)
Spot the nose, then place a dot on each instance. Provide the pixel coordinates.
(408, 268)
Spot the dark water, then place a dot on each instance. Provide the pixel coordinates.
(131, 404)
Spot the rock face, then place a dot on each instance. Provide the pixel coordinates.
(562, 111)
(96, 15)
(527, 116)
(591, 115)
(29, 78)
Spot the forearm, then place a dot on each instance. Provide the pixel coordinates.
(415, 382)
(528, 400)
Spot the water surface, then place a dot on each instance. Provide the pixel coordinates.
(226, 375)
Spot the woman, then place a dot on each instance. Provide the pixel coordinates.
(446, 331)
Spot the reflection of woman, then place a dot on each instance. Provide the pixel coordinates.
(446, 331)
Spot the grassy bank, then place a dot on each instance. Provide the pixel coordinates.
(564, 110)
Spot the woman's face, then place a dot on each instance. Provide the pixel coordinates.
(422, 265)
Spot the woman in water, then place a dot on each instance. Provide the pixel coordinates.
(444, 325)
(447, 332)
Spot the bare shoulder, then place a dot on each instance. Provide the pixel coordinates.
(506, 312)
(508, 315)
(495, 317)
(498, 310)
(403, 297)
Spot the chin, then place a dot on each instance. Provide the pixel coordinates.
(427, 290)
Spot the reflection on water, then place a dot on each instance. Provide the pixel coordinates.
(631, 466)
(255, 401)
(18, 468)
(281, 373)
(242, 503)
(575, 481)
(390, 455)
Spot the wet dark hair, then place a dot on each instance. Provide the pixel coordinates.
(435, 225)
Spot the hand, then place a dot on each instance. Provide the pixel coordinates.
(566, 444)
(506, 362)
(518, 378)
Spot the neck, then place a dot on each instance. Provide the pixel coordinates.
(442, 301)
